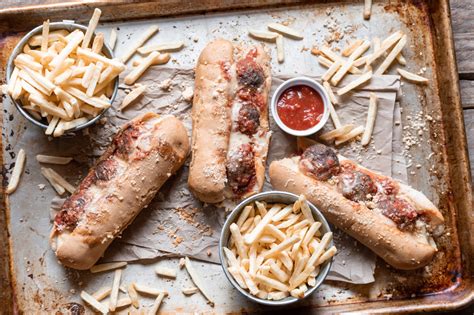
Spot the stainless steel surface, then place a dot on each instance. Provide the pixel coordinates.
(300, 81)
(272, 197)
(41, 285)
(54, 26)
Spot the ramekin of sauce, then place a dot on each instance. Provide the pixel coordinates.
(300, 106)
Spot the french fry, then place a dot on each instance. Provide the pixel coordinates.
(350, 49)
(196, 280)
(89, 299)
(367, 9)
(258, 230)
(272, 230)
(17, 172)
(333, 58)
(28, 62)
(132, 96)
(371, 115)
(386, 45)
(355, 83)
(282, 214)
(401, 60)
(331, 71)
(26, 77)
(280, 49)
(12, 81)
(148, 290)
(61, 181)
(327, 237)
(263, 35)
(350, 135)
(392, 56)
(234, 271)
(310, 233)
(165, 272)
(305, 209)
(412, 77)
(248, 281)
(52, 124)
(98, 43)
(91, 27)
(44, 36)
(102, 293)
(96, 57)
(282, 246)
(349, 63)
(132, 293)
(94, 79)
(190, 291)
(59, 130)
(171, 46)
(71, 45)
(52, 37)
(253, 260)
(326, 255)
(285, 30)
(261, 208)
(285, 258)
(157, 303)
(247, 224)
(48, 107)
(271, 283)
(74, 123)
(278, 295)
(335, 133)
(45, 83)
(107, 266)
(18, 90)
(239, 241)
(141, 68)
(288, 222)
(46, 173)
(132, 49)
(63, 77)
(159, 60)
(267, 239)
(243, 216)
(281, 275)
(49, 159)
(93, 101)
(113, 38)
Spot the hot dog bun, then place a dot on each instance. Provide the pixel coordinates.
(211, 121)
(142, 156)
(401, 249)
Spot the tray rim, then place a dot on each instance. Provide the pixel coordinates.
(456, 296)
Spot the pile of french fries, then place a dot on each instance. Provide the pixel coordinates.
(352, 58)
(64, 77)
(275, 250)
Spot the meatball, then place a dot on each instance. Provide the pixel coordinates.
(248, 120)
(399, 211)
(356, 186)
(241, 169)
(320, 161)
(249, 73)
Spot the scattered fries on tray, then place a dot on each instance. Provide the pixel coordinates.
(276, 250)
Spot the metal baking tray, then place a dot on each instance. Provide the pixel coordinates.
(31, 281)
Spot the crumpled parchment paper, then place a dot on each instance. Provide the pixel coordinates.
(176, 223)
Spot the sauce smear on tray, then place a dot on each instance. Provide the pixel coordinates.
(300, 107)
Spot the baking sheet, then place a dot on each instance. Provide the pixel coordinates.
(32, 264)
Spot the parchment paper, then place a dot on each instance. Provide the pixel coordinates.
(176, 223)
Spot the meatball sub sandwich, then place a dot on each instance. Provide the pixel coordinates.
(391, 218)
(142, 156)
(230, 122)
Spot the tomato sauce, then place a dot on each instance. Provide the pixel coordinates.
(300, 107)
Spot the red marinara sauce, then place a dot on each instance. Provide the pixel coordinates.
(300, 107)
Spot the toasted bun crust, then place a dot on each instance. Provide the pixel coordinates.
(116, 202)
(211, 122)
(402, 250)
